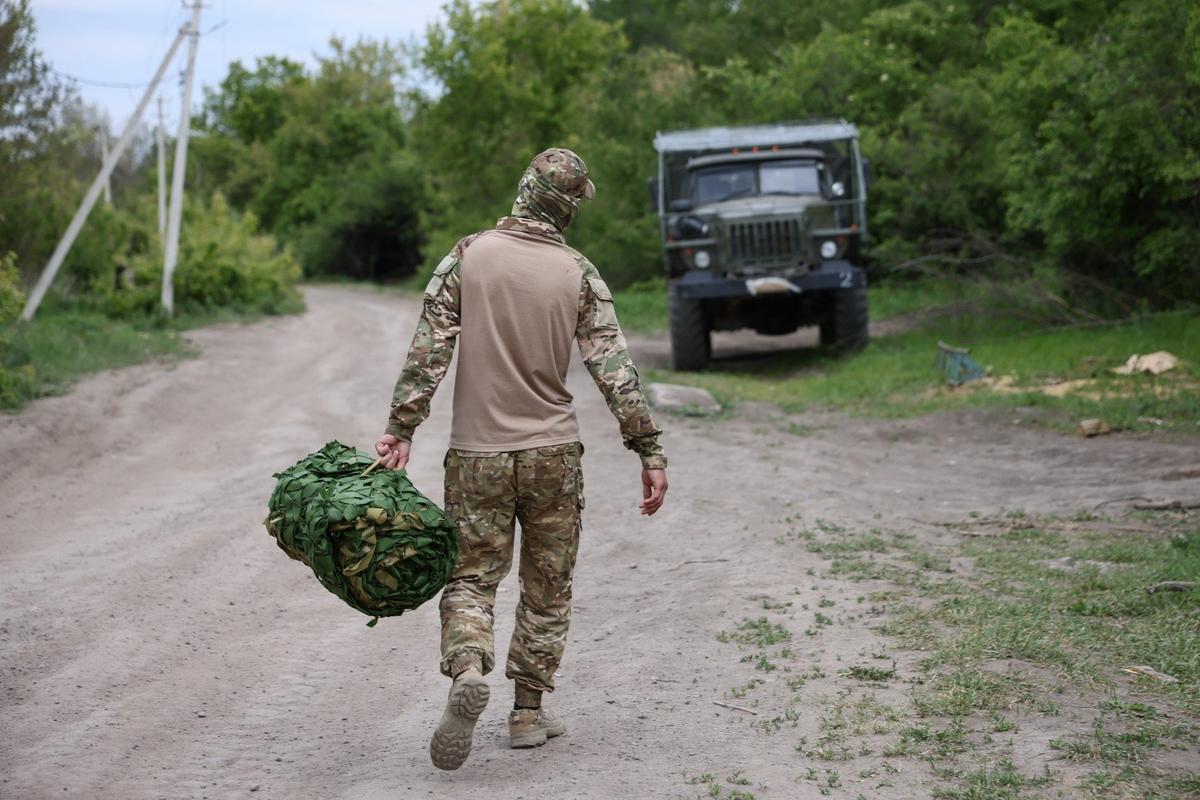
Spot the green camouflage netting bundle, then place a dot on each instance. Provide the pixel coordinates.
(372, 539)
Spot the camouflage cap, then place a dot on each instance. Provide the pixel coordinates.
(552, 187)
(566, 171)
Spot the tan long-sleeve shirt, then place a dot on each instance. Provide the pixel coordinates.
(516, 297)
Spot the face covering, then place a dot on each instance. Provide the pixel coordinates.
(538, 198)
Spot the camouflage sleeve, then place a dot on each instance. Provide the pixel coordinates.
(431, 350)
(607, 358)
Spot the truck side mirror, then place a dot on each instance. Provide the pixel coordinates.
(866, 164)
(682, 204)
(652, 185)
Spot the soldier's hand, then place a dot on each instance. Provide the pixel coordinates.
(654, 489)
(393, 452)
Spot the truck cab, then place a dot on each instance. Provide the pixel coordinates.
(763, 228)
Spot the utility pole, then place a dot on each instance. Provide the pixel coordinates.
(93, 192)
(175, 215)
(103, 159)
(162, 171)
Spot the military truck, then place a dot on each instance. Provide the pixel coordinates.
(763, 227)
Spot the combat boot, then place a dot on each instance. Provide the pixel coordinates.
(451, 743)
(531, 727)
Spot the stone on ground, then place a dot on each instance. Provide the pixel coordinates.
(684, 399)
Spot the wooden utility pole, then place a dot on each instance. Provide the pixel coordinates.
(93, 192)
(103, 159)
(162, 171)
(175, 214)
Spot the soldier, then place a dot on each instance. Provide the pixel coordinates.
(516, 296)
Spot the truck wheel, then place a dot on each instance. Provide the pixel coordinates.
(845, 327)
(691, 346)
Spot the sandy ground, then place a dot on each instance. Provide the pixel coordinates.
(154, 643)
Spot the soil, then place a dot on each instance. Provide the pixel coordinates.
(155, 643)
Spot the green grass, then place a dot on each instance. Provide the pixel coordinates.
(45, 356)
(642, 307)
(759, 632)
(1001, 782)
(1001, 645)
(895, 375)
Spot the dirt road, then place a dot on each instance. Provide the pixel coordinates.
(155, 644)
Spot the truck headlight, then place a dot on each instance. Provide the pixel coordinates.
(838, 189)
(702, 259)
(828, 249)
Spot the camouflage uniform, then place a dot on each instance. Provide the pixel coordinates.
(542, 487)
(486, 493)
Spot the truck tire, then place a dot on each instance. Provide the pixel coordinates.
(845, 327)
(691, 346)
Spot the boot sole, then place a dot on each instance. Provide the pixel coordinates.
(451, 743)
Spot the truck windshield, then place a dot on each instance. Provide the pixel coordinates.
(728, 181)
(789, 177)
(721, 183)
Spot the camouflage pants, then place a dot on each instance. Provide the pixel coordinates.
(487, 494)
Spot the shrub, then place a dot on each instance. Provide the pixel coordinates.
(17, 376)
(224, 262)
(11, 297)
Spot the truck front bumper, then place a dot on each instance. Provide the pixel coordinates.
(697, 285)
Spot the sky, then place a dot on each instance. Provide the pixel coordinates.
(123, 41)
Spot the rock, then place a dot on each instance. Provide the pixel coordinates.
(1072, 564)
(1093, 427)
(1154, 363)
(684, 399)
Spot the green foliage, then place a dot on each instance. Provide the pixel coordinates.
(894, 375)
(29, 92)
(321, 158)
(224, 261)
(16, 374)
(1043, 136)
(515, 78)
(44, 356)
(1056, 134)
(642, 307)
(12, 299)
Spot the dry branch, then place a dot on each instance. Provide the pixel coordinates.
(1172, 586)
(1170, 505)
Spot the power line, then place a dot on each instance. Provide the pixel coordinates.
(101, 84)
(114, 85)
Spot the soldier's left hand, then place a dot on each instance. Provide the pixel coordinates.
(393, 451)
(654, 490)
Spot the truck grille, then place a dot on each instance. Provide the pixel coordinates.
(767, 243)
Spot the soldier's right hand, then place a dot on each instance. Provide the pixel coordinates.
(393, 452)
(654, 489)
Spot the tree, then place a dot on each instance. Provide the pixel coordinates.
(321, 158)
(29, 91)
(515, 78)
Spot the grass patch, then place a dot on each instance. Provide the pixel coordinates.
(759, 633)
(1018, 638)
(895, 376)
(45, 356)
(642, 307)
(1000, 782)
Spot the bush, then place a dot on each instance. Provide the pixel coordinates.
(12, 299)
(17, 377)
(224, 262)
